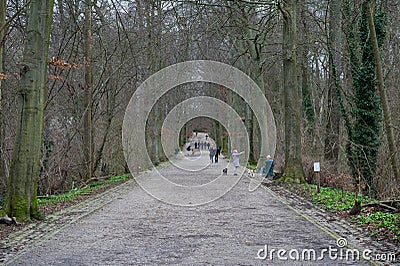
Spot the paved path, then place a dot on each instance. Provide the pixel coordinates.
(137, 229)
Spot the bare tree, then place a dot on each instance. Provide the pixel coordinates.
(387, 120)
(293, 157)
(332, 111)
(2, 36)
(88, 145)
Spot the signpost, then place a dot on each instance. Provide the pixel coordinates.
(317, 169)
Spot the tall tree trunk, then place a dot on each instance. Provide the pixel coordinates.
(251, 63)
(308, 106)
(87, 120)
(382, 91)
(61, 11)
(364, 124)
(293, 171)
(21, 200)
(2, 22)
(152, 13)
(333, 115)
(306, 91)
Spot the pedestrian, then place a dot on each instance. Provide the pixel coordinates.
(195, 145)
(208, 145)
(236, 164)
(188, 149)
(269, 166)
(212, 154)
(217, 153)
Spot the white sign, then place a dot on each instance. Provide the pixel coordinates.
(317, 167)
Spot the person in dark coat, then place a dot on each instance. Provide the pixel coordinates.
(212, 154)
(269, 167)
(217, 153)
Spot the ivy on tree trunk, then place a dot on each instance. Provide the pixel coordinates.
(365, 130)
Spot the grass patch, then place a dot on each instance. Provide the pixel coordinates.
(78, 192)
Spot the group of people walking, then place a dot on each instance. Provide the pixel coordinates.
(214, 154)
(199, 146)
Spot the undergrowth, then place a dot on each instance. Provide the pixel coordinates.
(339, 202)
(85, 190)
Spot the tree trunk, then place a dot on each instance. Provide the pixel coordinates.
(293, 171)
(61, 11)
(2, 22)
(308, 106)
(333, 115)
(87, 120)
(251, 63)
(21, 200)
(382, 91)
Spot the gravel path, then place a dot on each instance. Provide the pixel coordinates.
(134, 228)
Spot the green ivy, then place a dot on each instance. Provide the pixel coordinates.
(364, 130)
(388, 221)
(336, 200)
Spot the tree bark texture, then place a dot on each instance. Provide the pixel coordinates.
(2, 22)
(87, 120)
(21, 200)
(293, 171)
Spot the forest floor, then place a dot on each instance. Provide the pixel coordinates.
(383, 224)
(301, 199)
(121, 223)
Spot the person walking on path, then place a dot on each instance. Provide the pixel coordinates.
(236, 164)
(217, 153)
(212, 154)
(188, 149)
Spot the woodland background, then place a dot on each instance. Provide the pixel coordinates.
(101, 51)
